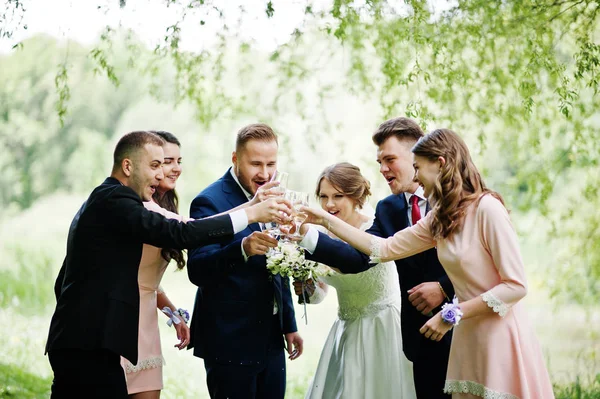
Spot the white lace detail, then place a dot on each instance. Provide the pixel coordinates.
(354, 313)
(367, 293)
(375, 249)
(474, 388)
(151, 363)
(493, 302)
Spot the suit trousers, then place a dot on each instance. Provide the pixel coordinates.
(260, 380)
(429, 370)
(82, 373)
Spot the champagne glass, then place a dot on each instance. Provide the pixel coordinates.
(282, 178)
(285, 228)
(272, 230)
(300, 200)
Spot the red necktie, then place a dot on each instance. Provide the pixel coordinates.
(415, 211)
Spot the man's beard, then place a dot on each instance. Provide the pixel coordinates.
(242, 182)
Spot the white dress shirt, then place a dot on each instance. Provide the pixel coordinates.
(249, 196)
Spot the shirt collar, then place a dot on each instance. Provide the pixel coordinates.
(419, 193)
(246, 193)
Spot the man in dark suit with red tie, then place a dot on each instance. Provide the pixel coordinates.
(97, 310)
(423, 282)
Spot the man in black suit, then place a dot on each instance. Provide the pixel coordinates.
(97, 310)
(242, 314)
(423, 282)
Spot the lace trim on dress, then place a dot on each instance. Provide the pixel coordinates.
(474, 388)
(348, 313)
(493, 302)
(375, 250)
(151, 363)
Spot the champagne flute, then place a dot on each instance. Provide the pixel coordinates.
(282, 178)
(271, 231)
(300, 200)
(285, 228)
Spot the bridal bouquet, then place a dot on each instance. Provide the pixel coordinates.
(288, 261)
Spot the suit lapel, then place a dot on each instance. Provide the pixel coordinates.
(401, 210)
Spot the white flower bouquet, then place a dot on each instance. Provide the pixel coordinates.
(288, 260)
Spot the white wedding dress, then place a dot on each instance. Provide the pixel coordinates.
(362, 357)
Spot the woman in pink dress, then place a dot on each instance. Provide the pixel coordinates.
(494, 352)
(145, 379)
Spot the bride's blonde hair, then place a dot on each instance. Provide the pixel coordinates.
(458, 185)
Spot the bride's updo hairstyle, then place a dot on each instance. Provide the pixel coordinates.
(459, 182)
(348, 180)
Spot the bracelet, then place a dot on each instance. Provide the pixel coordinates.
(443, 292)
(173, 319)
(451, 312)
(328, 225)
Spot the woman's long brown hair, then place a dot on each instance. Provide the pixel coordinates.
(458, 185)
(170, 202)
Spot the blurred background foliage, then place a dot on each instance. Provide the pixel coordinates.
(517, 79)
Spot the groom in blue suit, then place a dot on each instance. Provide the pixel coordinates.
(242, 314)
(423, 282)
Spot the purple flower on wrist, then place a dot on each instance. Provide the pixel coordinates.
(451, 312)
(184, 314)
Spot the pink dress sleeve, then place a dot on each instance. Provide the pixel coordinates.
(500, 240)
(405, 243)
(154, 207)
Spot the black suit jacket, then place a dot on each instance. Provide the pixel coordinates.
(391, 216)
(96, 290)
(233, 313)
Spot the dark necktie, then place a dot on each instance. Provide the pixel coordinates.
(415, 210)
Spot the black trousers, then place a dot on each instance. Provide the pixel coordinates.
(265, 380)
(82, 373)
(429, 369)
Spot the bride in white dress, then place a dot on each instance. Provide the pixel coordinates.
(362, 357)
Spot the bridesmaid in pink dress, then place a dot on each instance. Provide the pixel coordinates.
(494, 352)
(145, 380)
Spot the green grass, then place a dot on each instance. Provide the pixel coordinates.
(30, 260)
(579, 389)
(18, 383)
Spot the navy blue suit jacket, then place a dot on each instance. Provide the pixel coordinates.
(391, 216)
(233, 313)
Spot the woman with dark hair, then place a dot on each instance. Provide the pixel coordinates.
(494, 352)
(145, 379)
(362, 357)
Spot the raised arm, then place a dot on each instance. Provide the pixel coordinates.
(124, 210)
(204, 262)
(403, 244)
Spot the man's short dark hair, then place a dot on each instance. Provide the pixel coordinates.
(133, 142)
(255, 131)
(402, 128)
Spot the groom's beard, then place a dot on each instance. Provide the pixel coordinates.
(244, 183)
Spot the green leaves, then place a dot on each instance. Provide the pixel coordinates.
(61, 82)
(270, 10)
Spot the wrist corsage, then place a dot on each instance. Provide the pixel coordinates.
(173, 319)
(451, 312)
